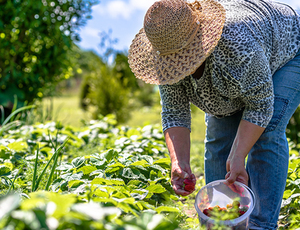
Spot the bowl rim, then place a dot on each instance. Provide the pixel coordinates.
(231, 222)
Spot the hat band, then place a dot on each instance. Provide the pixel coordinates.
(184, 44)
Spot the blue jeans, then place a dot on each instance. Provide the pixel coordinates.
(267, 162)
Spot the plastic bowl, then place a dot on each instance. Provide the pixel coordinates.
(218, 193)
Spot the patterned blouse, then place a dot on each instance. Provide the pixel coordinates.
(258, 38)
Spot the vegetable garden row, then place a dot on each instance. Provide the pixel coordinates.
(100, 176)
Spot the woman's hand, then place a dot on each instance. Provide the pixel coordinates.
(178, 143)
(178, 175)
(236, 171)
(246, 137)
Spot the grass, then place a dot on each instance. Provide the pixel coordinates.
(66, 109)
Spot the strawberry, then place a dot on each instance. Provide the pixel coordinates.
(207, 212)
(241, 212)
(189, 185)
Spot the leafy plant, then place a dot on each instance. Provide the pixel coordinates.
(290, 208)
(128, 178)
(35, 40)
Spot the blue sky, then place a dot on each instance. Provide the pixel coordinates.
(124, 18)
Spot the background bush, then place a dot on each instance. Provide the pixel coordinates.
(113, 89)
(35, 40)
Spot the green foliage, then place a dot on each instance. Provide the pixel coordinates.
(108, 95)
(290, 207)
(124, 185)
(100, 176)
(111, 89)
(35, 39)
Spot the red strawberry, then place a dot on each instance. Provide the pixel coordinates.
(189, 185)
(241, 212)
(207, 212)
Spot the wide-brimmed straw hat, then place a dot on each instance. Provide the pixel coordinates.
(176, 39)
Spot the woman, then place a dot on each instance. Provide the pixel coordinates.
(238, 61)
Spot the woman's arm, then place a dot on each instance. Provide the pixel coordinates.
(246, 137)
(178, 143)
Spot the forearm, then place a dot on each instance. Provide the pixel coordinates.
(246, 137)
(178, 143)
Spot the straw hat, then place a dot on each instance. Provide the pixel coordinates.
(176, 39)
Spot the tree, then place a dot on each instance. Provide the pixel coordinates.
(35, 40)
(112, 89)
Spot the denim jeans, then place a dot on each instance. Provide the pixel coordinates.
(267, 162)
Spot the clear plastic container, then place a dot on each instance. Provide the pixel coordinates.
(218, 193)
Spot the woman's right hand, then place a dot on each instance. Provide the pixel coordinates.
(178, 175)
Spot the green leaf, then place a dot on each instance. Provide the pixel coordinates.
(133, 174)
(87, 169)
(153, 175)
(41, 216)
(156, 188)
(100, 193)
(98, 162)
(102, 181)
(125, 200)
(4, 152)
(78, 162)
(142, 163)
(64, 167)
(163, 161)
(105, 200)
(18, 146)
(166, 209)
(158, 168)
(135, 183)
(114, 167)
(109, 155)
(4, 170)
(127, 209)
(75, 183)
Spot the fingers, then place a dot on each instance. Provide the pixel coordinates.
(178, 184)
(180, 191)
(231, 177)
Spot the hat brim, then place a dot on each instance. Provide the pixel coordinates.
(157, 69)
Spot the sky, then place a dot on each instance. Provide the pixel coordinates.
(122, 19)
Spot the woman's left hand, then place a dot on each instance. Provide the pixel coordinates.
(236, 171)
(246, 137)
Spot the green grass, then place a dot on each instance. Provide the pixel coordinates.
(66, 109)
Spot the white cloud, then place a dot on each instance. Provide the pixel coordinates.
(89, 31)
(118, 8)
(122, 9)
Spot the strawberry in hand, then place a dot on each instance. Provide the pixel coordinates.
(189, 185)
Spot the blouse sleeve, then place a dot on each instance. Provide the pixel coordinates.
(175, 106)
(246, 75)
(257, 93)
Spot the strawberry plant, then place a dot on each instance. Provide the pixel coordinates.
(125, 181)
(289, 215)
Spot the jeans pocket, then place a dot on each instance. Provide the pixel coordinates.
(280, 105)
